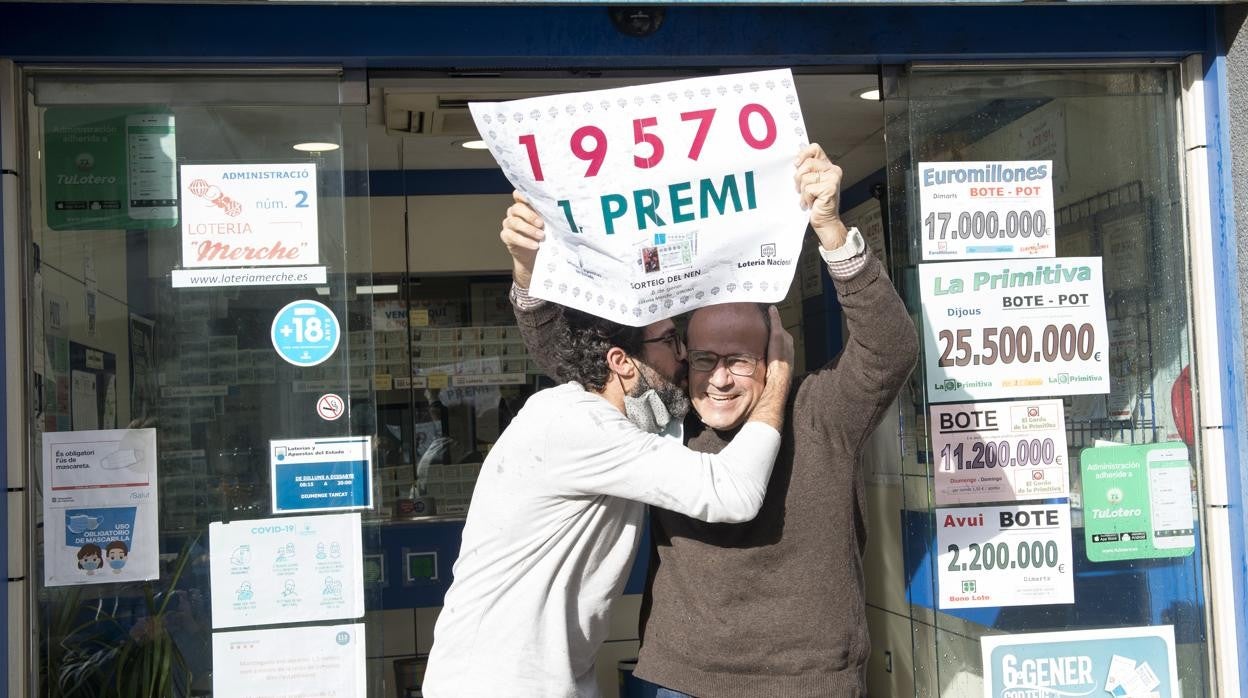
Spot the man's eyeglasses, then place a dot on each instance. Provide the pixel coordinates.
(671, 339)
(742, 365)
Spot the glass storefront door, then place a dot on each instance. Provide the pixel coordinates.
(191, 368)
(142, 185)
(1015, 442)
(136, 323)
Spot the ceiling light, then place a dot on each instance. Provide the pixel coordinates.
(477, 144)
(377, 290)
(322, 290)
(315, 147)
(871, 94)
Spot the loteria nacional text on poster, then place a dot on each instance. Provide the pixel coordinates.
(1011, 328)
(658, 198)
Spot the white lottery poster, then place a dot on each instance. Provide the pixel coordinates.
(1013, 328)
(999, 451)
(326, 661)
(99, 507)
(287, 570)
(658, 198)
(249, 224)
(1004, 556)
(987, 209)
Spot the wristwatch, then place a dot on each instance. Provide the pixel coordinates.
(852, 247)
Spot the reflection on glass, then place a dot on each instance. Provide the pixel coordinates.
(1113, 137)
(451, 370)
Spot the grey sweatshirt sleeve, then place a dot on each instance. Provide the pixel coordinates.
(541, 325)
(850, 393)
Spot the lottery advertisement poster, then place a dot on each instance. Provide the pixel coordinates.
(986, 209)
(658, 198)
(249, 225)
(999, 451)
(1012, 328)
(1134, 662)
(1005, 556)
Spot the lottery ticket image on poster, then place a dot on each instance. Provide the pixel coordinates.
(669, 254)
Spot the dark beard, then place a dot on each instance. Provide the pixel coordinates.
(674, 397)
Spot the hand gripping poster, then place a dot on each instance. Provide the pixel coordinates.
(658, 198)
(99, 507)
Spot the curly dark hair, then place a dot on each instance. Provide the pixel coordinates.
(584, 340)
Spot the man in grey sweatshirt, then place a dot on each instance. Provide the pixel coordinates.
(776, 606)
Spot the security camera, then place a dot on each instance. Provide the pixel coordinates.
(636, 21)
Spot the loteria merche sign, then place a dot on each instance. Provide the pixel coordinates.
(236, 215)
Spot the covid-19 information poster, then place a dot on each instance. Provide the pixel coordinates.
(100, 507)
(287, 570)
(322, 661)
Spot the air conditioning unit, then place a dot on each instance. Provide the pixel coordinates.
(430, 114)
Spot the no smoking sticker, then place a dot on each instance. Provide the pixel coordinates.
(330, 407)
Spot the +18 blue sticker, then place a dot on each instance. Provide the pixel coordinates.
(305, 333)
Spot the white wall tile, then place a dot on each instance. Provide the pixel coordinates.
(608, 665)
(891, 647)
(624, 617)
(425, 620)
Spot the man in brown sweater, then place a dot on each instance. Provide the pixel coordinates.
(774, 607)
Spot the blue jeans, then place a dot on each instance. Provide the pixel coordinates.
(669, 693)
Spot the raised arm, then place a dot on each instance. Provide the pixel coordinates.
(881, 348)
(540, 322)
(522, 233)
(882, 345)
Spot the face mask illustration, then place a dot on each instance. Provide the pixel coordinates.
(121, 459)
(89, 558)
(117, 552)
(81, 523)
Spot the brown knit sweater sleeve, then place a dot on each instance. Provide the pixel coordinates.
(541, 325)
(849, 395)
